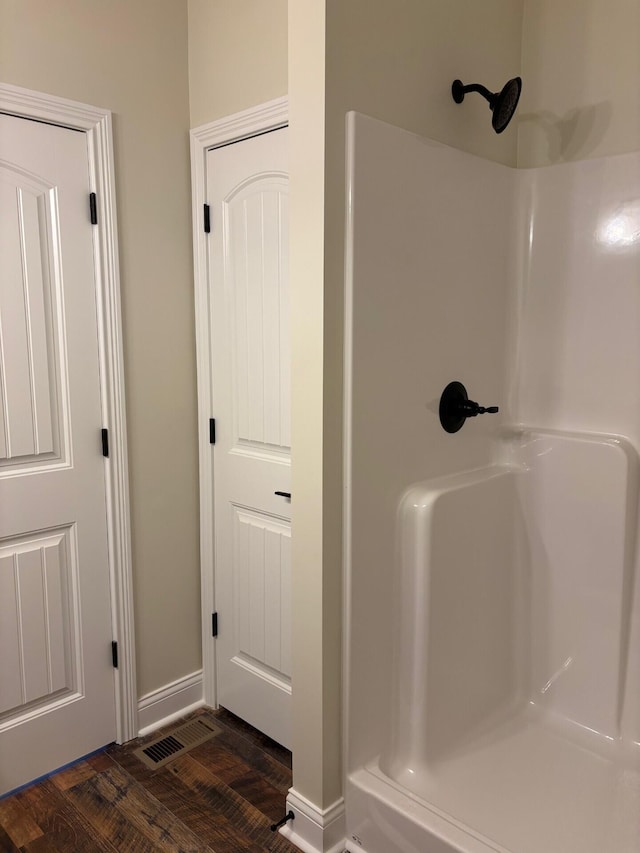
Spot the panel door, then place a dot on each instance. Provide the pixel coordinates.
(57, 693)
(249, 303)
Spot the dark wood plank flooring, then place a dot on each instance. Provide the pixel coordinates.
(220, 797)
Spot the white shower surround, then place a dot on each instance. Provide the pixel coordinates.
(492, 605)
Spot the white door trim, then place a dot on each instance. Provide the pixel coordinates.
(96, 123)
(233, 128)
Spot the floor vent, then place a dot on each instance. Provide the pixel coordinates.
(179, 740)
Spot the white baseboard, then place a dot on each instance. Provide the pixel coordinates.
(314, 830)
(169, 703)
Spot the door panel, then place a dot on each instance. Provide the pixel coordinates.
(29, 402)
(262, 570)
(256, 262)
(38, 635)
(247, 187)
(57, 692)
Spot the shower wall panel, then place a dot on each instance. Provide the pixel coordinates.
(576, 359)
(578, 313)
(429, 257)
(577, 494)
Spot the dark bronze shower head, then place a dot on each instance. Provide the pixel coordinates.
(502, 104)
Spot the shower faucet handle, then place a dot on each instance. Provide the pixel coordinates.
(470, 409)
(456, 407)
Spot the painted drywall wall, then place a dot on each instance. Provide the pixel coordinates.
(315, 676)
(581, 67)
(394, 61)
(237, 55)
(132, 59)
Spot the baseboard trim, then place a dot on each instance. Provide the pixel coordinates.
(315, 830)
(167, 704)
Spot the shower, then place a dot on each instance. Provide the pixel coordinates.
(499, 709)
(503, 103)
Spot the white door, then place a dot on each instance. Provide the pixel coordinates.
(57, 693)
(247, 186)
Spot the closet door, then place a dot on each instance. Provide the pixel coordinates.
(247, 188)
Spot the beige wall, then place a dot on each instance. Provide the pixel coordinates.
(131, 57)
(394, 61)
(314, 730)
(581, 67)
(237, 55)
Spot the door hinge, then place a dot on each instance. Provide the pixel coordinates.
(214, 624)
(212, 430)
(207, 219)
(93, 208)
(105, 441)
(114, 654)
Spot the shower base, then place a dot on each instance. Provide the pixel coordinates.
(533, 785)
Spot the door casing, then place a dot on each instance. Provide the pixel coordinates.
(97, 124)
(265, 117)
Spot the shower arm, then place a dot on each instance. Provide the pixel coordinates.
(475, 87)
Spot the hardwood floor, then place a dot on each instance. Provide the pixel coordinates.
(222, 796)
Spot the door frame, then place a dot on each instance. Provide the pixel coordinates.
(271, 115)
(97, 124)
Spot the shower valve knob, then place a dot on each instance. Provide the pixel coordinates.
(470, 409)
(456, 407)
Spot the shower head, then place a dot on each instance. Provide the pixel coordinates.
(503, 103)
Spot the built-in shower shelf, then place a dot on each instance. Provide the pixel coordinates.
(512, 661)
